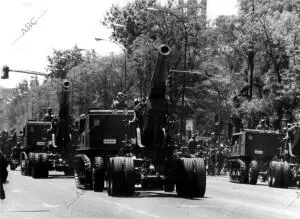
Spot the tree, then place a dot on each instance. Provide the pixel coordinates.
(63, 60)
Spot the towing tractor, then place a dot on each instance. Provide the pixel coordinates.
(33, 159)
(46, 144)
(284, 171)
(103, 134)
(251, 154)
(155, 161)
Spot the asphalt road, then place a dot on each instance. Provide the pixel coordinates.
(57, 197)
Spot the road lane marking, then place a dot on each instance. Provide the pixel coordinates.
(17, 191)
(46, 205)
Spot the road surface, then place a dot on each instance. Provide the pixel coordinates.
(57, 197)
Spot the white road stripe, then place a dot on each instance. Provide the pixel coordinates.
(46, 205)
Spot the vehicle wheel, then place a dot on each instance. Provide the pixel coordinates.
(271, 173)
(35, 167)
(84, 172)
(286, 175)
(43, 158)
(98, 174)
(169, 187)
(129, 176)
(186, 183)
(243, 178)
(30, 162)
(115, 176)
(253, 172)
(278, 174)
(200, 177)
(12, 167)
(23, 164)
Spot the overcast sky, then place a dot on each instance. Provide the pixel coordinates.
(62, 24)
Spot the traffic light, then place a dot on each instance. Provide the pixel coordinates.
(5, 71)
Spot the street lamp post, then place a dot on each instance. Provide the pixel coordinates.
(185, 60)
(125, 58)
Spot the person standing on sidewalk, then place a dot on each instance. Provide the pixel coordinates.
(3, 173)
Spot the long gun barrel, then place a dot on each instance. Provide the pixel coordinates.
(159, 77)
(156, 103)
(62, 126)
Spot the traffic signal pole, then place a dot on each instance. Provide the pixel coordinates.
(6, 70)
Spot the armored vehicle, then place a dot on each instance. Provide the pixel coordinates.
(46, 144)
(155, 159)
(251, 153)
(103, 134)
(284, 171)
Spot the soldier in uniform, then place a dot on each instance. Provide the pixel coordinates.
(4, 142)
(262, 125)
(3, 173)
(192, 145)
(120, 102)
(220, 159)
(48, 116)
(212, 162)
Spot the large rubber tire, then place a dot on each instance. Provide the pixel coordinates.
(253, 172)
(35, 167)
(12, 167)
(188, 183)
(278, 174)
(24, 164)
(200, 177)
(85, 172)
(30, 163)
(244, 170)
(271, 173)
(98, 174)
(286, 181)
(169, 187)
(129, 176)
(43, 158)
(115, 176)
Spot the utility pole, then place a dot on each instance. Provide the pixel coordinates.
(251, 57)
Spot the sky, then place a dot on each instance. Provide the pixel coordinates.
(31, 29)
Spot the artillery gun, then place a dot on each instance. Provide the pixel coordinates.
(284, 171)
(252, 151)
(46, 144)
(155, 160)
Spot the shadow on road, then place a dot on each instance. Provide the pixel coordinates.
(152, 194)
(60, 177)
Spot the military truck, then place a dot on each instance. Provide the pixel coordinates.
(46, 144)
(33, 158)
(284, 171)
(154, 157)
(251, 154)
(103, 134)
